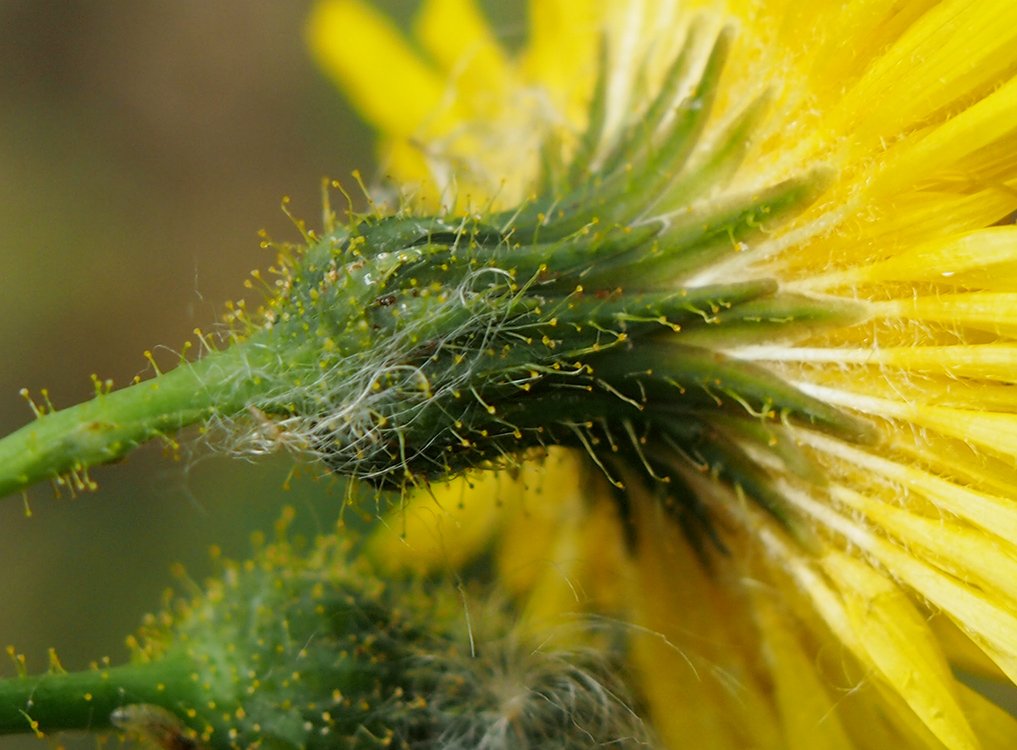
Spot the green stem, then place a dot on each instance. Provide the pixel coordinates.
(112, 424)
(85, 700)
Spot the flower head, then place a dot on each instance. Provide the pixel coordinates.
(776, 236)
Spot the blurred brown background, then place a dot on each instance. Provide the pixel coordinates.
(143, 144)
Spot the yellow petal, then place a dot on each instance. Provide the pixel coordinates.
(985, 258)
(996, 362)
(475, 59)
(988, 622)
(808, 715)
(405, 162)
(956, 48)
(962, 653)
(444, 527)
(564, 550)
(825, 599)
(993, 514)
(984, 124)
(988, 311)
(995, 727)
(694, 645)
(899, 643)
(966, 553)
(992, 627)
(551, 498)
(683, 710)
(366, 54)
(562, 48)
(908, 219)
(993, 431)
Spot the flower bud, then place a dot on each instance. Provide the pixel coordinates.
(308, 651)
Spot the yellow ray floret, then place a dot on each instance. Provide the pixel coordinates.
(370, 46)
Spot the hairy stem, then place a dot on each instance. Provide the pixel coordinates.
(109, 426)
(85, 700)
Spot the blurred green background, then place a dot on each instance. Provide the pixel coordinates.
(143, 144)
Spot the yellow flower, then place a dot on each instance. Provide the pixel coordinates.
(789, 585)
